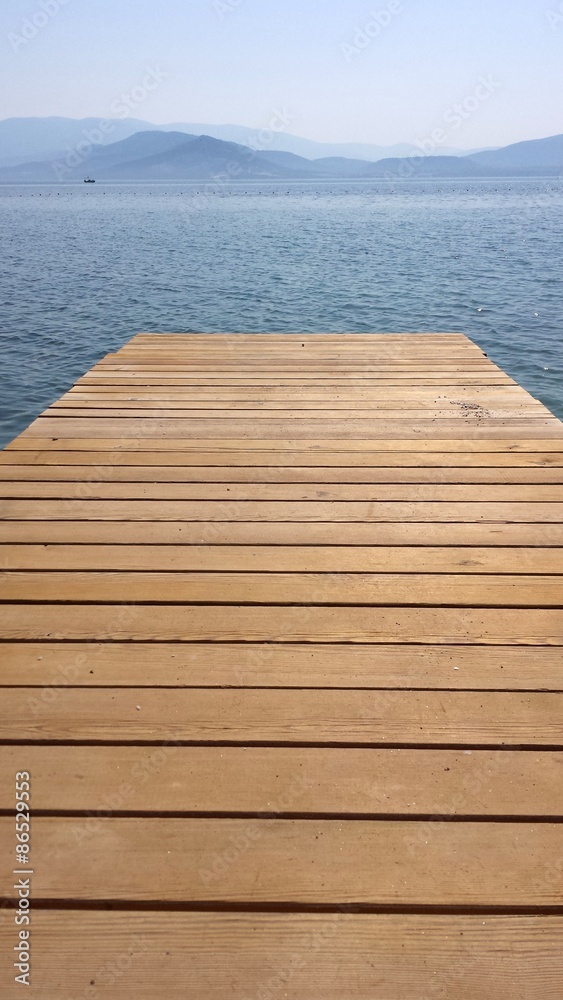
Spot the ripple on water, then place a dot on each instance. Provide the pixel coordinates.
(84, 271)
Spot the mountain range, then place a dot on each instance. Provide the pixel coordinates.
(175, 155)
(24, 140)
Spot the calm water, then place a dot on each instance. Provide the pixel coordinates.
(84, 268)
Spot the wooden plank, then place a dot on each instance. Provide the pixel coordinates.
(296, 956)
(295, 861)
(356, 463)
(334, 718)
(203, 623)
(371, 412)
(309, 511)
(273, 781)
(315, 347)
(375, 387)
(284, 559)
(375, 347)
(472, 427)
(232, 346)
(422, 369)
(108, 403)
(128, 404)
(211, 533)
(353, 447)
(33, 472)
(316, 351)
(246, 362)
(298, 361)
(420, 399)
(429, 373)
(309, 378)
(186, 367)
(416, 401)
(273, 394)
(334, 492)
(367, 364)
(55, 665)
(314, 368)
(331, 718)
(418, 380)
(261, 588)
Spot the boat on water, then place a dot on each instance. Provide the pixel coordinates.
(89, 180)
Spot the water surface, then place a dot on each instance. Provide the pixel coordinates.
(83, 268)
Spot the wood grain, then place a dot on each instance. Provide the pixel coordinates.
(278, 510)
(274, 781)
(295, 956)
(86, 474)
(274, 623)
(297, 588)
(373, 863)
(211, 533)
(347, 493)
(278, 559)
(53, 665)
(282, 716)
(282, 628)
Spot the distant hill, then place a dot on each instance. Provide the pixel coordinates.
(153, 156)
(195, 158)
(24, 140)
(538, 157)
(103, 159)
(141, 146)
(333, 166)
(421, 167)
(536, 153)
(178, 156)
(339, 166)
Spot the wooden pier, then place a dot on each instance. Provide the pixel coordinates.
(282, 654)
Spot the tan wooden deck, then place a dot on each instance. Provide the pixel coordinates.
(282, 654)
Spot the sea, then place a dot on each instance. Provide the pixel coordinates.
(85, 267)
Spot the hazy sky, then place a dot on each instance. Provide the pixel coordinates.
(244, 61)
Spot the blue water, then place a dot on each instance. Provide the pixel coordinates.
(82, 269)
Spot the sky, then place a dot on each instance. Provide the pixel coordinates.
(481, 72)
